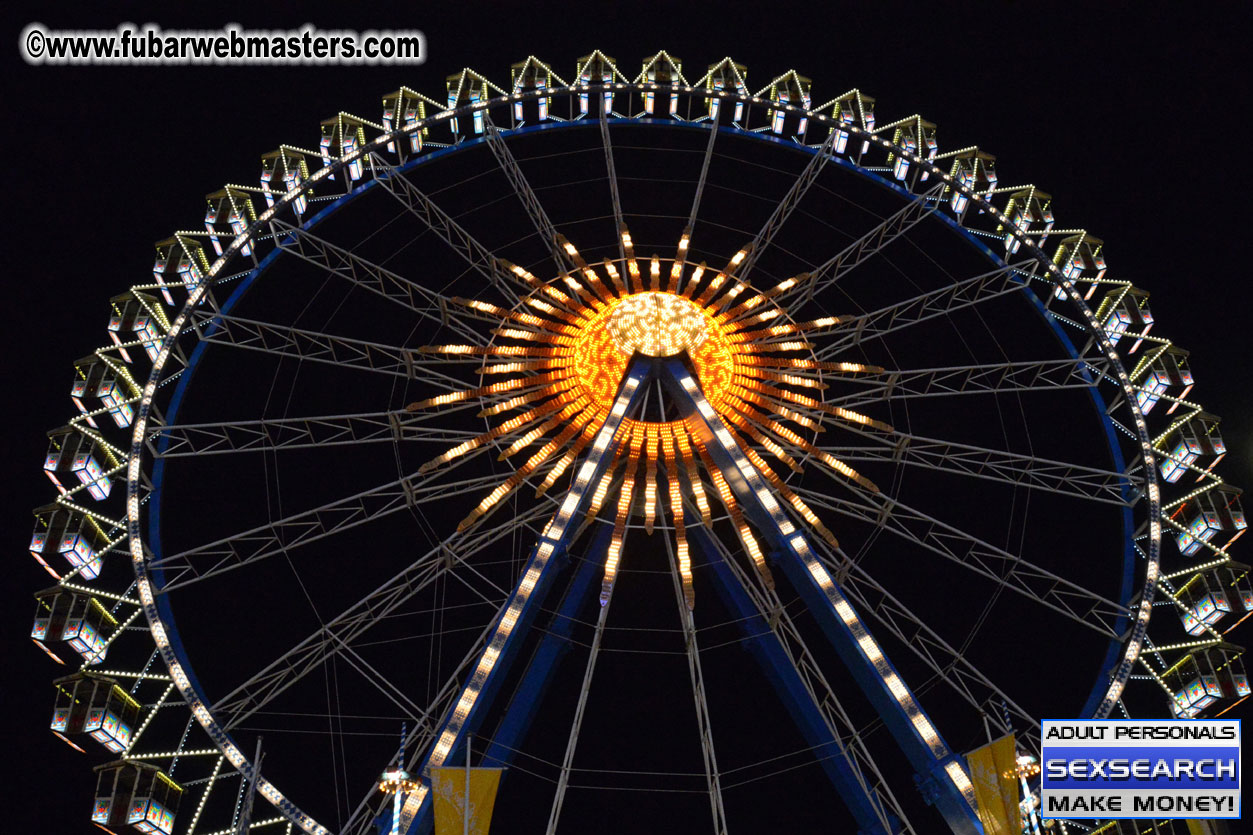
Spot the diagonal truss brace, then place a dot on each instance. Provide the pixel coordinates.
(342, 263)
(534, 209)
(831, 271)
(1061, 477)
(783, 210)
(452, 233)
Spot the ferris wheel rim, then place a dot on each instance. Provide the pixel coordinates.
(161, 600)
(344, 200)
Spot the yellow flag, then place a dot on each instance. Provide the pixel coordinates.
(448, 785)
(997, 795)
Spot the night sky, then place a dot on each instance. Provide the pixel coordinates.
(1133, 119)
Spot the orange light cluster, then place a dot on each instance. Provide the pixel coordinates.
(557, 361)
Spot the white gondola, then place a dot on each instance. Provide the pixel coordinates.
(1205, 603)
(93, 705)
(1206, 516)
(76, 537)
(404, 109)
(79, 621)
(973, 169)
(281, 172)
(135, 794)
(794, 90)
(729, 76)
(1195, 443)
(99, 384)
(1123, 311)
(183, 257)
(530, 75)
(135, 317)
(1166, 375)
(71, 453)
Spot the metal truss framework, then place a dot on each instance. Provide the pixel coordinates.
(1098, 365)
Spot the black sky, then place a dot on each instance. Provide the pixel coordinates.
(1134, 116)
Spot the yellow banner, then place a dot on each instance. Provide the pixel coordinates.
(997, 795)
(448, 785)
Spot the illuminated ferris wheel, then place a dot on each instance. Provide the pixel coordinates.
(690, 452)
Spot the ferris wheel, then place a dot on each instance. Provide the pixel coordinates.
(693, 453)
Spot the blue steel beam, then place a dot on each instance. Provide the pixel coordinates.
(940, 774)
(539, 672)
(781, 673)
(520, 610)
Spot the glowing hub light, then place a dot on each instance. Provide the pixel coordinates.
(557, 386)
(603, 344)
(657, 325)
(556, 369)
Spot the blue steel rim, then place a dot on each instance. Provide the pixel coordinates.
(1127, 585)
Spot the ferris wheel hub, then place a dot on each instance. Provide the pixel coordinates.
(657, 324)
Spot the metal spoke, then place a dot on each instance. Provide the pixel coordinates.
(452, 233)
(783, 210)
(345, 264)
(845, 733)
(284, 535)
(192, 439)
(887, 320)
(704, 173)
(1002, 567)
(613, 182)
(567, 760)
(316, 346)
(944, 660)
(534, 209)
(830, 272)
(713, 778)
(308, 654)
(1029, 471)
(993, 378)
